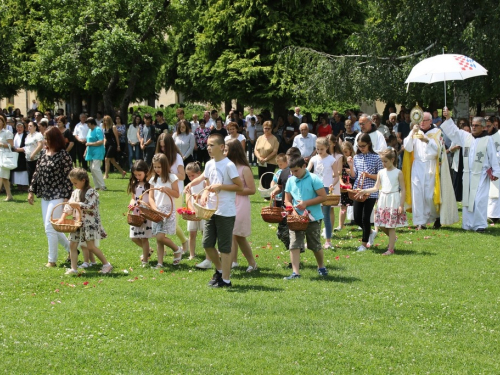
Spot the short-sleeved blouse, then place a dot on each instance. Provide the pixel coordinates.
(50, 180)
(266, 147)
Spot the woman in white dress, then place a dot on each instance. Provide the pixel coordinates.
(6, 140)
(19, 175)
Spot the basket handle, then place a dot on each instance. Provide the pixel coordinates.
(199, 195)
(263, 174)
(64, 204)
(168, 195)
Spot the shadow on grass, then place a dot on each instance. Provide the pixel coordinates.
(337, 279)
(252, 288)
(406, 252)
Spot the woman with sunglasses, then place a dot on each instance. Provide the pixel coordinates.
(364, 168)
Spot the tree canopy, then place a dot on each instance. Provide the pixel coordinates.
(225, 49)
(395, 38)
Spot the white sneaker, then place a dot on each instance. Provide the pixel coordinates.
(323, 233)
(372, 238)
(84, 265)
(251, 269)
(361, 248)
(234, 265)
(107, 268)
(205, 265)
(71, 271)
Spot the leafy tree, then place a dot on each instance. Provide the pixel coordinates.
(395, 38)
(97, 50)
(225, 49)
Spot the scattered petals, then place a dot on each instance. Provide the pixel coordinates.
(347, 256)
(427, 237)
(161, 271)
(256, 255)
(85, 283)
(337, 258)
(52, 303)
(125, 272)
(56, 291)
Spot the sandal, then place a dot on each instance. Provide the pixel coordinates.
(178, 260)
(151, 252)
(389, 252)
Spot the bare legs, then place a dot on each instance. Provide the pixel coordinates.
(107, 162)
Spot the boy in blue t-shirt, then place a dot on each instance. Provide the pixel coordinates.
(305, 190)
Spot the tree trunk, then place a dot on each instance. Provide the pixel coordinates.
(108, 96)
(152, 99)
(75, 108)
(92, 106)
(478, 109)
(227, 106)
(279, 108)
(127, 97)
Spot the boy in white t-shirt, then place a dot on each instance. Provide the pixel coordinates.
(222, 177)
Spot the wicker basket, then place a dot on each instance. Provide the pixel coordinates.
(204, 213)
(68, 225)
(332, 200)
(134, 220)
(265, 193)
(352, 192)
(297, 222)
(272, 214)
(190, 217)
(153, 215)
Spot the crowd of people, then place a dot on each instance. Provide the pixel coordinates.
(379, 171)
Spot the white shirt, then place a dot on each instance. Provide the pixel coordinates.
(31, 143)
(305, 145)
(210, 123)
(99, 123)
(174, 169)
(299, 116)
(81, 131)
(194, 126)
(251, 132)
(240, 138)
(247, 119)
(323, 168)
(378, 141)
(132, 134)
(222, 172)
(162, 199)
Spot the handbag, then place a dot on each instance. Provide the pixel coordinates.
(8, 158)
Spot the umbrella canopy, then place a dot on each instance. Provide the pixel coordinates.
(445, 67)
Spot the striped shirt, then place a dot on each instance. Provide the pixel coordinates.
(370, 163)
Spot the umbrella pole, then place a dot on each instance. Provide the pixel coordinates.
(445, 93)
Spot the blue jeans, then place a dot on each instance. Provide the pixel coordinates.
(134, 153)
(326, 214)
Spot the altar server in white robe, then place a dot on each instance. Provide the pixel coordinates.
(378, 141)
(479, 156)
(494, 201)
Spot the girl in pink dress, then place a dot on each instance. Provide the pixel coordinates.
(390, 213)
(242, 224)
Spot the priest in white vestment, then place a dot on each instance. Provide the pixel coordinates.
(480, 166)
(423, 171)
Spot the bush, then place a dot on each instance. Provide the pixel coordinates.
(169, 112)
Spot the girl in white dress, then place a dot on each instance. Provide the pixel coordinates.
(167, 183)
(390, 213)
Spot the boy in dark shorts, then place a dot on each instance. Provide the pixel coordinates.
(305, 190)
(222, 177)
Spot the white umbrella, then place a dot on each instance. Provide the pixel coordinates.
(445, 67)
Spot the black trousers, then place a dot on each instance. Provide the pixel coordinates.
(80, 150)
(30, 167)
(362, 212)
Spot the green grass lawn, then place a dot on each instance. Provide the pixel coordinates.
(432, 308)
